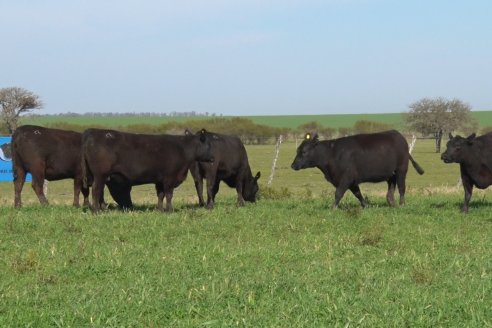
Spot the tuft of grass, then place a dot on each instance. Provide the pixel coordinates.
(26, 262)
(422, 275)
(271, 193)
(372, 236)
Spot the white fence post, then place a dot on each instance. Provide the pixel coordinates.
(412, 143)
(274, 164)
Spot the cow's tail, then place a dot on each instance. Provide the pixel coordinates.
(15, 155)
(86, 173)
(417, 167)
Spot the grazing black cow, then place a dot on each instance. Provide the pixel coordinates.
(49, 154)
(231, 166)
(474, 154)
(135, 159)
(347, 162)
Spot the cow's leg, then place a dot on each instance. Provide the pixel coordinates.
(400, 181)
(169, 200)
(212, 190)
(198, 180)
(159, 188)
(356, 191)
(468, 187)
(215, 189)
(339, 192)
(77, 187)
(239, 189)
(37, 186)
(97, 192)
(390, 195)
(212, 185)
(199, 191)
(19, 180)
(85, 193)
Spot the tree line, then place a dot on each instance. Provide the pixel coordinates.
(430, 117)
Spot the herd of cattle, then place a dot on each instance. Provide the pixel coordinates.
(101, 157)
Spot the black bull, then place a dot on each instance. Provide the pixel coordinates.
(123, 160)
(347, 162)
(474, 154)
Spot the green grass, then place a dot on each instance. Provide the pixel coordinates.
(277, 263)
(289, 121)
(288, 260)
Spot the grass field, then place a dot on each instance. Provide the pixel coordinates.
(289, 121)
(288, 260)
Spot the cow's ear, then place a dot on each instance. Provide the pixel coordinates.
(258, 175)
(470, 138)
(450, 136)
(315, 137)
(188, 132)
(203, 136)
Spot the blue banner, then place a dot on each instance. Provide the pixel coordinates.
(6, 172)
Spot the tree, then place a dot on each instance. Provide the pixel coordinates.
(312, 126)
(15, 101)
(438, 116)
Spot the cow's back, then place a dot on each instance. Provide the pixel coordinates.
(230, 157)
(483, 150)
(57, 150)
(374, 156)
(230, 152)
(140, 158)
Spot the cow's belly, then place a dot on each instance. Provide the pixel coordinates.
(483, 182)
(375, 179)
(483, 179)
(377, 176)
(58, 174)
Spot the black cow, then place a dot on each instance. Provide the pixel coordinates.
(49, 154)
(231, 166)
(134, 159)
(474, 154)
(347, 162)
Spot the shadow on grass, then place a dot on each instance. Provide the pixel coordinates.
(142, 208)
(459, 204)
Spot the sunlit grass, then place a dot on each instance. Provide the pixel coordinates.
(278, 261)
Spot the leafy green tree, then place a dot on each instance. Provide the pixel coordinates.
(438, 116)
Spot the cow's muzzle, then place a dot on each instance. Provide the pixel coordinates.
(446, 159)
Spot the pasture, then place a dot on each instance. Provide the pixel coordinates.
(281, 121)
(288, 260)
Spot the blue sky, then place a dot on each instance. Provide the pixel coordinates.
(247, 57)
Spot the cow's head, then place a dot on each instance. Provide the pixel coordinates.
(251, 188)
(456, 148)
(204, 151)
(305, 152)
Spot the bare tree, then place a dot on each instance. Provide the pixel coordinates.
(438, 116)
(15, 101)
